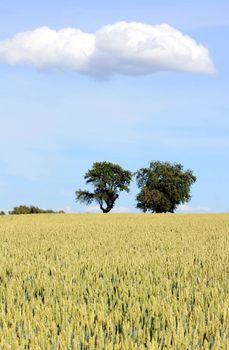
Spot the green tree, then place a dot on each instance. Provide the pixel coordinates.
(108, 180)
(24, 209)
(21, 209)
(2, 212)
(163, 186)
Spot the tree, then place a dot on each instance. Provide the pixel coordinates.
(21, 209)
(24, 209)
(108, 180)
(2, 212)
(163, 186)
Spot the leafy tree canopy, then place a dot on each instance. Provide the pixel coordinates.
(108, 180)
(24, 209)
(163, 186)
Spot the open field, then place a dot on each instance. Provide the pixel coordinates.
(114, 282)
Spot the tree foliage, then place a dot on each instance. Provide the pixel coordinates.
(108, 180)
(24, 209)
(163, 186)
(2, 212)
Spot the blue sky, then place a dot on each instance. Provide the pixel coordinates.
(55, 124)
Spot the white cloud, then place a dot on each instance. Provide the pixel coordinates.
(188, 209)
(46, 48)
(120, 48)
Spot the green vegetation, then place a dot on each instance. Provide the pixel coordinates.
(108, 180)
(163, 186)
(114, 282)
(24, 209)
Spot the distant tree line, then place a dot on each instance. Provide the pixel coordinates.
(163, 186)
(24, 209)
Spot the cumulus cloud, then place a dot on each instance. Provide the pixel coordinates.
(120, 48)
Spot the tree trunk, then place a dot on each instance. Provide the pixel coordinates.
(106, 210)
(109, 204)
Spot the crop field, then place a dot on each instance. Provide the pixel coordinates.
(116, 281)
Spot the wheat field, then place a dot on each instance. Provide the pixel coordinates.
(118, 281)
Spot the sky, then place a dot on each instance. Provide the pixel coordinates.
(122, 81)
